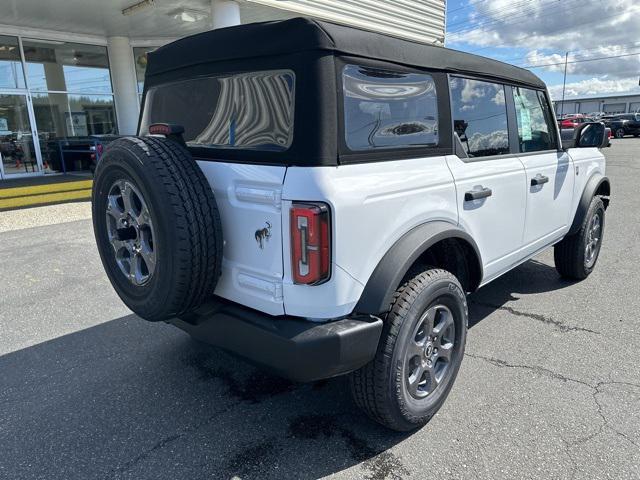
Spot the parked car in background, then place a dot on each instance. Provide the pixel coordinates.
(574, 121)
(623, 124)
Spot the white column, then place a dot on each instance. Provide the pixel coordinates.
(225, 13)
(123, 78)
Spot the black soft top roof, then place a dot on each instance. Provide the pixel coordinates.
(305, 34)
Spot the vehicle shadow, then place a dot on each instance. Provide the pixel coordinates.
(531, 277)
(132, 399)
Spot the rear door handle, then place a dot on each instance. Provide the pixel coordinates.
(477, 194)
(539, 180)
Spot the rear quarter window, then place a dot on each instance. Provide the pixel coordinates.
(250, 110)
(388, 109)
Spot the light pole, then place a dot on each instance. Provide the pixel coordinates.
(564, 82)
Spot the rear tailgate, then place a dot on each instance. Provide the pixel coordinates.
(249, 198)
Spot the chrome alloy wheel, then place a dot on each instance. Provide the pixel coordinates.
(130, 232)
(428, 357)
(594, 235)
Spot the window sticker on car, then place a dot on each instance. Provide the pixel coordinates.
(525, 118)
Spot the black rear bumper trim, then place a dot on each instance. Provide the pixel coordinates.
(291, 347)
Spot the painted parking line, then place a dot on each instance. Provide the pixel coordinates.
(45, 189)
(44, 199)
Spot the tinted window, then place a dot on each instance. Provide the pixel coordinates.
(479, 116)
(251, 110)
(535, 128)
(388, 109)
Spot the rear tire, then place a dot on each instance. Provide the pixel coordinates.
(157, 227)
(619, 133)
(576, 255)
(409, 379)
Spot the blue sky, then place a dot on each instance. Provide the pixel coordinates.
(539, 32)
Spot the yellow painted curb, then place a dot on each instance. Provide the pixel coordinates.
(43, 189)
(33, 200)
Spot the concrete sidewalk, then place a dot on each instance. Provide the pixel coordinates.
(44, 190)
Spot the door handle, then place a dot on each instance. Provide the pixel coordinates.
(539, 180)
(477, 194)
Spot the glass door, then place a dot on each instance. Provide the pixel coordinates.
(19, 147)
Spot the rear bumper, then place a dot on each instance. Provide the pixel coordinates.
(291, 347)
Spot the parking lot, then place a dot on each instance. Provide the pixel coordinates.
(549, 387)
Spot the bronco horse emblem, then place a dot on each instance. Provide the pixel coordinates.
(263, 235)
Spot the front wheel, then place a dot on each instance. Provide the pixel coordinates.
(576, 255)
(419, 354)
(619, 133)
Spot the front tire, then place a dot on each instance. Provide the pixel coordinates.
(419, 353)
(619, 133)
(576, 255)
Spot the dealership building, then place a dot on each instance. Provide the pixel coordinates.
(608, 104)
(72, 71)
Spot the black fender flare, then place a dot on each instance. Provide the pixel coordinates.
(596, 183)
(394, 265)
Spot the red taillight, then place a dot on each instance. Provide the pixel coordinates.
(310, 243)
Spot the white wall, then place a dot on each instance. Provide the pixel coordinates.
(421, 20)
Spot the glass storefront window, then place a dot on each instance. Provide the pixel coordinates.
(71, 122)
(63, 66)
(73, 107)
(11, 73)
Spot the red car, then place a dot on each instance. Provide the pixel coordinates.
(574, 120)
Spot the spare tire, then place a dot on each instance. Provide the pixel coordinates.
(157, 227)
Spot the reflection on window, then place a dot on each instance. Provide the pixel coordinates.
(534, 120)
(17, 150)
(388, 109)
(11, 74)
(66, 67)
(72, 123)
(140, 59)
(479, 116)
(247, 110)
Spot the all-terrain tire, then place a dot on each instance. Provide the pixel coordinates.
(570, 254)
(180, 206)
(381, 388)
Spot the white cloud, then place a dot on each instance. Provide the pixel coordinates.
(594, 86)
(589, 29)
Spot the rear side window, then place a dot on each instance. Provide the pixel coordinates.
(388, 109)
(535, 122)
(252, 110)
(479, 116)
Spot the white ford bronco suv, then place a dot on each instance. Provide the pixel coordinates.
(320, 199)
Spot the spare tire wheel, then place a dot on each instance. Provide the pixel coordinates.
(157, 227)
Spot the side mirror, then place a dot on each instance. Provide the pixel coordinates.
(589, 135)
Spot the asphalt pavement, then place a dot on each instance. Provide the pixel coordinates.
(549, 387)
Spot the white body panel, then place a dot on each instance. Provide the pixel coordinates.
(373, 205)
(496, 223)
(586, 163)
(549, 213)
(249, 196)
